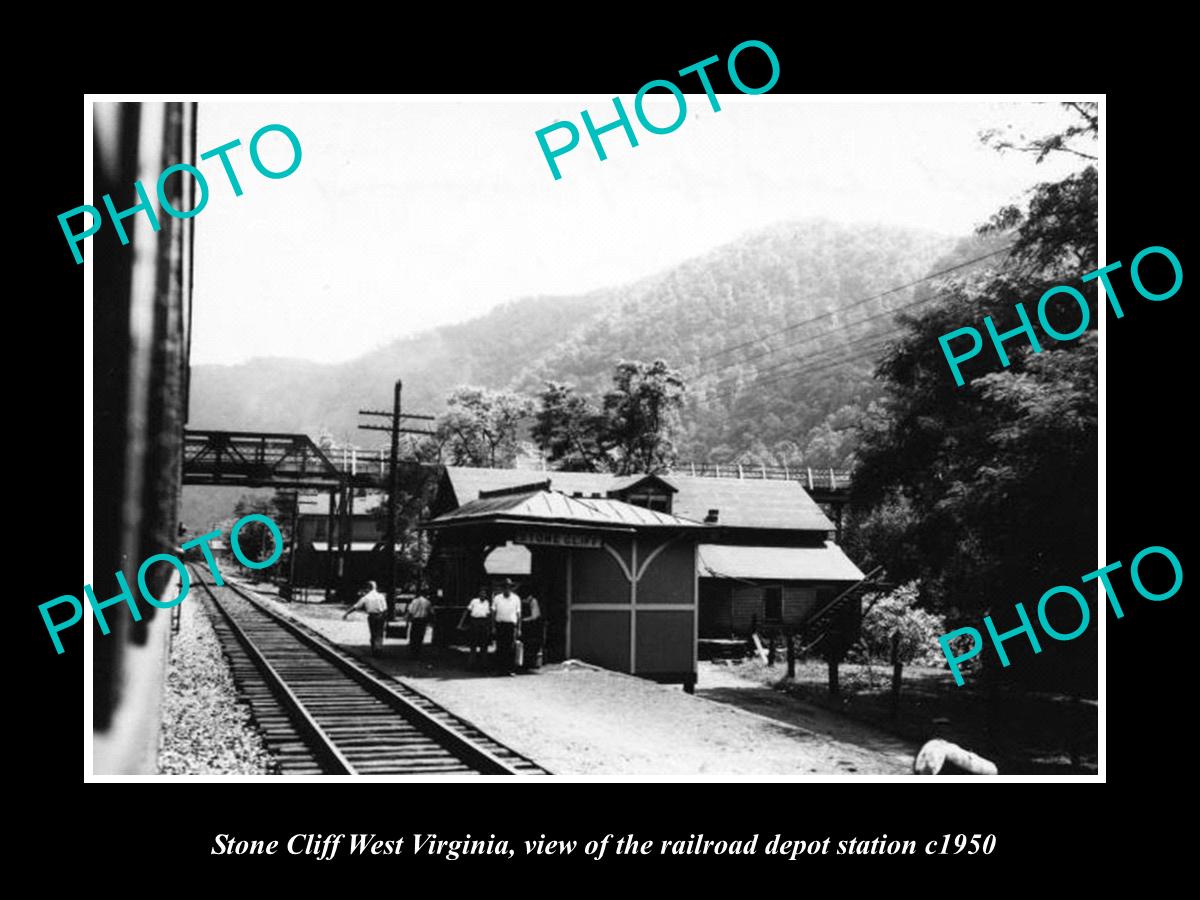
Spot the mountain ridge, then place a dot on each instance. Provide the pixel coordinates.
(688, 314)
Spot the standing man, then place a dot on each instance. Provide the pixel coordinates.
(532, 631)
(506, 610)
(477, 618)
(374, 604)
(420, 610)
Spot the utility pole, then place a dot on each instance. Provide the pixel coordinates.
(394, 478)
(292, 554)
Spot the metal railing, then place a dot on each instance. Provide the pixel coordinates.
(826, 479)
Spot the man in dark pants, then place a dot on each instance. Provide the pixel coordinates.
(374, 604)
(419, 612)
(506, 611)
(533, 632)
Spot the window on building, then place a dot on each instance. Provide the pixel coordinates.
(659, 502)
(773, 604)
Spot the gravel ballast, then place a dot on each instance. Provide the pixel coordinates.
(206, 730)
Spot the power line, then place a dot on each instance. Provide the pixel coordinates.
(856, 303)
(810, 368)
(832, 331)
(829, 364)
(793, 366)
(825, 334)
(823, 352)
(808, 339)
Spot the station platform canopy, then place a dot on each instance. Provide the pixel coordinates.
(827, 563)
(615, 582)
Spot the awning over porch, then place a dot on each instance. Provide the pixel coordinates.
(826, 563)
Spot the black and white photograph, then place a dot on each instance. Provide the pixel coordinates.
(436, 442)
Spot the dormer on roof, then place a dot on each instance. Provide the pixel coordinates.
(648, 491)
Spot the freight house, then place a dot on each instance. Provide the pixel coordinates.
(631, 570)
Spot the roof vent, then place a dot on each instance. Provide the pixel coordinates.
(577, 494)
(711, 518)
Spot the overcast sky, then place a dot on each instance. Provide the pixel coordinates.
(407, 215)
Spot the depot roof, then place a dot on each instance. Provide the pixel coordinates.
(748, 503)
(826, 563)
(539, 506)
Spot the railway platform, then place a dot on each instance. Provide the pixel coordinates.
(577, 719)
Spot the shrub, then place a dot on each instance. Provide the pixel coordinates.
(897, 611)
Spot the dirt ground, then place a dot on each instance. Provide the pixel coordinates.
(576, 719)
(747, 690)
(1022, 732)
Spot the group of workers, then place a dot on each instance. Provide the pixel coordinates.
(514, 622)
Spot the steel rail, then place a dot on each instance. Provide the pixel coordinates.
(459, 745)
(323, 746)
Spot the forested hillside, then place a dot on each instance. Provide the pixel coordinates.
(712, 318)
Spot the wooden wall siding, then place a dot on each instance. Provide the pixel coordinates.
(747, 605)
(716, 612)
(729, 609)
(601, 637)
(597, 578)
(664, 641)
(669, 577)
(658, 635)
(798, 604)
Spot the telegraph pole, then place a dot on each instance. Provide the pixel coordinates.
(394, 479)
(292, 554)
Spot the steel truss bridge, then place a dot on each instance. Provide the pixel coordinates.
(286, 462)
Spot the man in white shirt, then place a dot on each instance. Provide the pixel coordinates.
(374, 604)
(506, 611)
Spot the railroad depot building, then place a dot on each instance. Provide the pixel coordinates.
(630, 571)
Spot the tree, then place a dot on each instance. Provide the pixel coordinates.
(641, 412)
(986, 492)
(254, 539)
(895, 628)
(1085, 123)
(631, 432)
(569, 429)
(480, 427)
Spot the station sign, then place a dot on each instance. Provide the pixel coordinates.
(546, 538)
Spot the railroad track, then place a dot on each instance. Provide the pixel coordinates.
(324, 712)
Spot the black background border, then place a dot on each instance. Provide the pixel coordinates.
(1038, 827)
